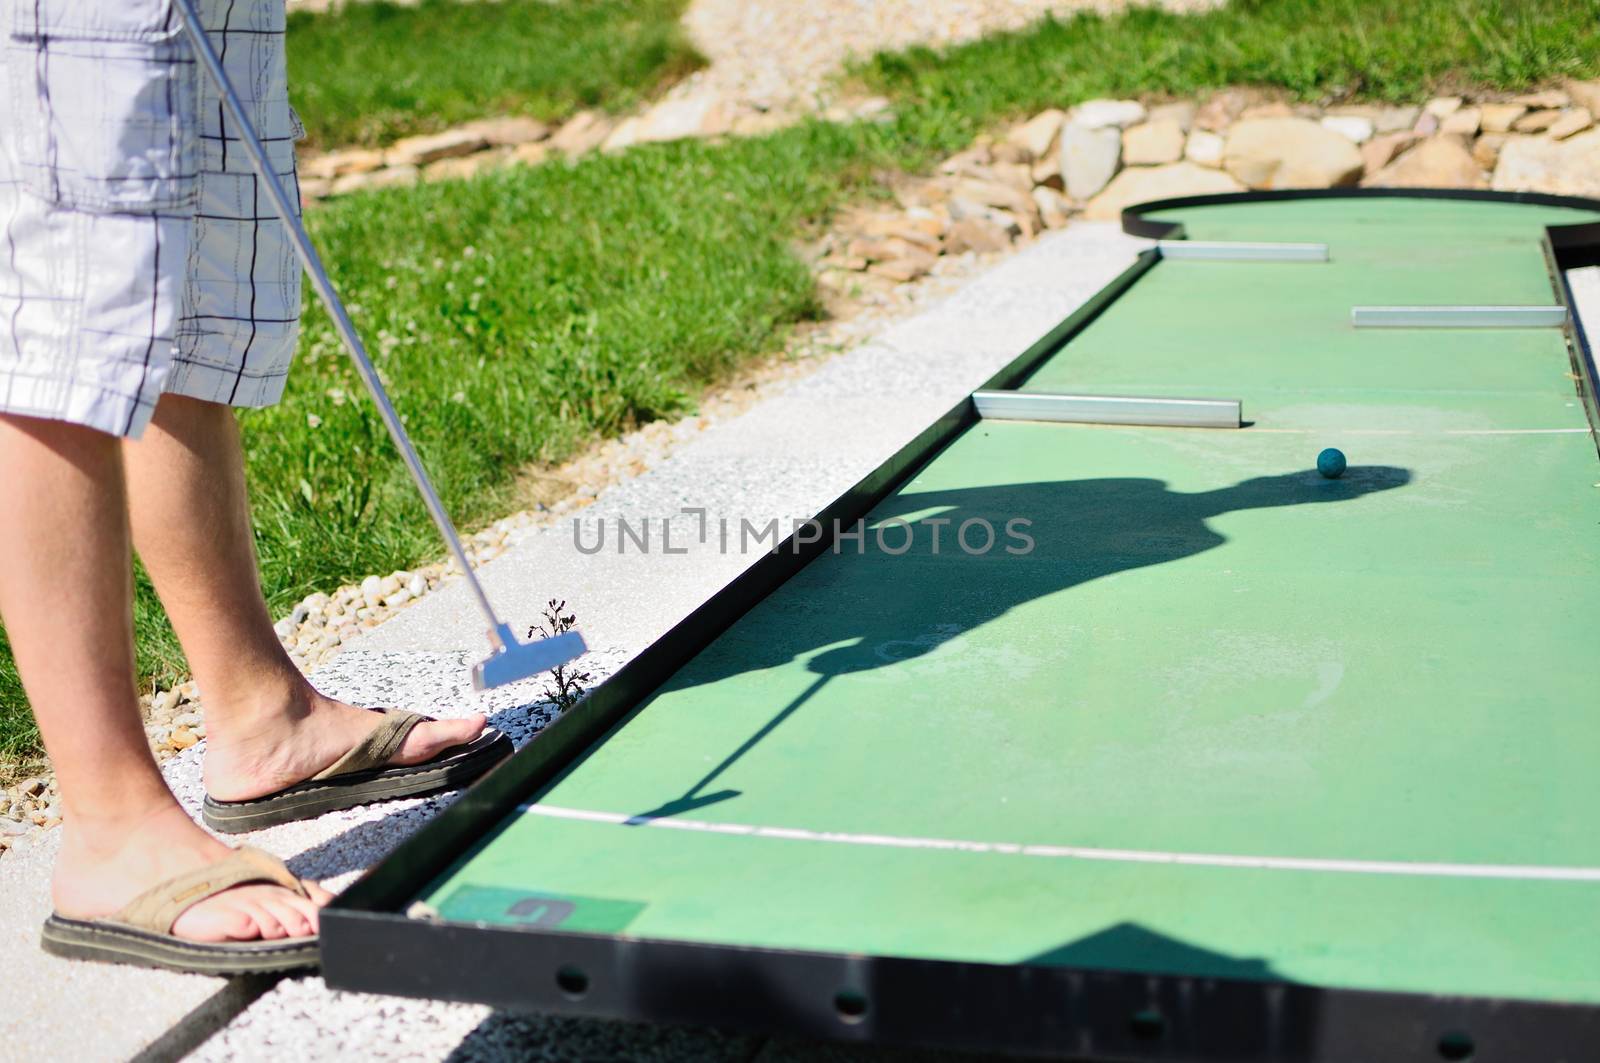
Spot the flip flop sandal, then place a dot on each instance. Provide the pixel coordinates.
(362, 776)
(141, 933)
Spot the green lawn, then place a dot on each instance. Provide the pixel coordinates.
(1314, 50)
(523, 315)
(367, 73)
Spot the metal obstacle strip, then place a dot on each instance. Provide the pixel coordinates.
(1233, 251)
(1107, 409)
(1458, 316)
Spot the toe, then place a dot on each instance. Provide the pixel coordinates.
(427, 740)
(294, 919)
(267, 925)
(214, 921)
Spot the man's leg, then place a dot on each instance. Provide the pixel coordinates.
(266, 727)
(65, 593)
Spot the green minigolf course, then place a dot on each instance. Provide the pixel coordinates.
(1204, 711)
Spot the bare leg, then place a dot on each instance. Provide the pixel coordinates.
(65, 593)
(266, 726)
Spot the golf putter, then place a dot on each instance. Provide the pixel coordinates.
(511, 659)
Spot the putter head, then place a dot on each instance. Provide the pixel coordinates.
(519, 660)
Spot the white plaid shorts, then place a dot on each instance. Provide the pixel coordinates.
(137, 253)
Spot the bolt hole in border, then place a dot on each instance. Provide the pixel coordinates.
(1456, 1046)
(1147, 1025)
(851, 1005)
(572, 981)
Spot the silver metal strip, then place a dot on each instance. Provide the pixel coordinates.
(1227, 251)
(1458, 316)
(1107, 409)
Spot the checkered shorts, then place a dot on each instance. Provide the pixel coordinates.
(137, 253)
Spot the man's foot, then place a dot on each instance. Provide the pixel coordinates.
(103, 866)
(259, 753)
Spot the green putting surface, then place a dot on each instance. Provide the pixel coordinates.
(1224, 717)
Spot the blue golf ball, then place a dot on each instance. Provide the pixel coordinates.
(1330, 463)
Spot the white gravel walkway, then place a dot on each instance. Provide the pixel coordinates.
(785, 457)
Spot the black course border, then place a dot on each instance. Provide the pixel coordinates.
(370, 944)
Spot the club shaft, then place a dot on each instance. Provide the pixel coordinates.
(331, 301)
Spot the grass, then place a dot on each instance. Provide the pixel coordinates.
(523, 315)
(1311, 50)
(368, 73)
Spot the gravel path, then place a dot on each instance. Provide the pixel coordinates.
(778, 54)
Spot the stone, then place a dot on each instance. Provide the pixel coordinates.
(1463, 123)
(1538, 164)
(1548, 100)
(338, 163)
(759, 123)
(1290, 153)
(1381, 150)
(1486, 149)
(1395, 119)
(530, 154)
(1152, 143)
(1054, 208)
(1218, 112)
(12, 827)
(1089, 159)
(1014, 174)
(1354, 128)
(582, 133)
(419, 151)
(397, 599)
(1158, 182)
(510, 131)
(1585, 94)
(388, 177)
(1205, 148)
(466, 167)
(1536, 121)
(1427, 125)
(1181, 112)
(313, 189)
(995, 194)
(1103, 114)
(418, 585)
(1034, 138)
(883, 249)
(182, 738)
(1497, 117)
(283, 628)
(1570, 124)
(31, 787)
(923, 233)
(1272, 109)
(624, 135)
(1441, 107)
(905, 269)
(1438, 162)
(976, 234)
(701, 115)
(1047, 172)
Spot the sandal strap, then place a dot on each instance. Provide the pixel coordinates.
(157, 908)
(378, 748)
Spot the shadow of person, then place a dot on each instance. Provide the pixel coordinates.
(862, 611)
